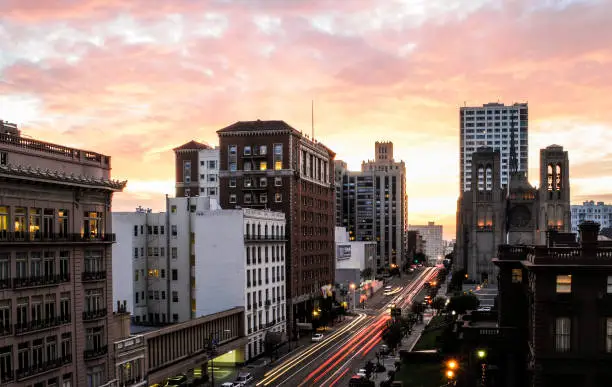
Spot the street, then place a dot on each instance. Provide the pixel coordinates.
(337, 358)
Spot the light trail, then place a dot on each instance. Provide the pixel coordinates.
(338, 378)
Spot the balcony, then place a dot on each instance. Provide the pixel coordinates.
(90, 276)
(264, 238)
(37, 281)
(94, 353)
(23, 373)
(37, 325)
(40, 238)
(94, 314)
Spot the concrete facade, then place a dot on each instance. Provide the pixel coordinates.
(372, 204)
(56, 234)
(432, 236)
(197, 170)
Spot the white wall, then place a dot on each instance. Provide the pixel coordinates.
(123, 251)
(220, 261)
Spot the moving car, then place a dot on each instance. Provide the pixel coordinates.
(244, 379)
(317, 337)
(361, 372)
(230, 384)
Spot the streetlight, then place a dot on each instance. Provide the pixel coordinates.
(353, 287)
(211, 353)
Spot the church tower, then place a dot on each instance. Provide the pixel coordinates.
(555, 211)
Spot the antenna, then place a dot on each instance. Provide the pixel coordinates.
(312, 118)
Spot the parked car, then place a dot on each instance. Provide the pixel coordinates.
(317, 337)
(244, 379)
(361, 372)
(231, 384)
(176, 381)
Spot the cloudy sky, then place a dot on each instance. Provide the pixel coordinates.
(133, 79)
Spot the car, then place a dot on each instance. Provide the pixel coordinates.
(362, 372)
(317, 337)
(388, 288)
(176, 381)
(243, 379)
(231, 384)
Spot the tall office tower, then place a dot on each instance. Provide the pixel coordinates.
(432, 235)
(57, 326)
(180, 271)
(197, 170)
(599, 212)
(374, 205)
(490, 126)
(269, 164)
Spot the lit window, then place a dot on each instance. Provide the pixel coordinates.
(233, 149)
(278, 181)
(233, 167)
(232, 198)
(173, 209)
(263, 149)
(247, 150)
(278, 165)
(562, 334)
(278, 197)
(263, 165)
(564, 283)
(517, 276)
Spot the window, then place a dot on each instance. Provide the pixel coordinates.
(212, 191)
(94, 377)
(278, 197)
(248, 183)
(263, 166)
(609, 334)
(247, 198)
(263, 181)
(174, 231)
(135, 230)
(93, 224)
(162, 251)
(247, 150)
(173, 209)
(212, 164)
(278, 165)
(610, 284)
(232, 198)
(278, 181)
(35, 223)
(263, 198)
(517, 276)
(232, 182)
(174, 253)
(3, 158)
(562, 334)
(175, 297)
(263, 149)
(233, 167)
(212, 178)
(174, 275)
(564, 283)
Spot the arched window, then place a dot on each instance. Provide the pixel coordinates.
(549, 177)
(558, 177)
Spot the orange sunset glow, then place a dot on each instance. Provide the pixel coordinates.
(134, 79)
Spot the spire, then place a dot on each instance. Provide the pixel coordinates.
(513, 159)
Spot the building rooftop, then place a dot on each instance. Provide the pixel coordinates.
(192, 145)
(242, 126)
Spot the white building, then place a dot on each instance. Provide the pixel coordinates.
(490, 125)
(432, 236)
(240, 260)
(197, 170)
(197, 259)
(354, 254)
(597, 212)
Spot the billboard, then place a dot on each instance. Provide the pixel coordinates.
(344, 252)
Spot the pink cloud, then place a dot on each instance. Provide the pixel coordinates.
(379, 74)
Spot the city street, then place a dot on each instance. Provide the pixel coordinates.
(336, 359)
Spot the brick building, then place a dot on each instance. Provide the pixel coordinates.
(56, 319)
(270, 165)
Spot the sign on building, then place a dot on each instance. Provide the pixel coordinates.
(344, 252)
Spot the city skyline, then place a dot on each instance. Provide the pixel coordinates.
(136, 81)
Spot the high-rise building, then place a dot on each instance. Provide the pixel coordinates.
(596, 212)
(490, 126)
(372, 204)
(269, 164)
(179, 271)
(197, 170)
(57, 321)
(432, 235)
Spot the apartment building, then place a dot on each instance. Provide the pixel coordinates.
(491, 125)
(57, 325)
(197, 170)
(599, 212)
(373, 206)
(196, 259)
(432, 235)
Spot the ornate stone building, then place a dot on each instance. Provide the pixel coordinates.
(517, 214)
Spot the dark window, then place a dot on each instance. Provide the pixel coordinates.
(174, 275)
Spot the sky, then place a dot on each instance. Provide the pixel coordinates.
(133, 79)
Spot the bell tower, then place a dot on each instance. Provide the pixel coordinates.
(555, 213)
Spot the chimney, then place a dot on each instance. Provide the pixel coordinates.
(589, 231)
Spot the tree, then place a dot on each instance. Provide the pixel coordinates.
(366, 273)
(457, 279)
(419, 258)
(438, 304)
(463, 303)
(417, 308)
(392, 335)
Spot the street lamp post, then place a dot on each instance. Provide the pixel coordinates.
(353, 287)
(211, 352)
